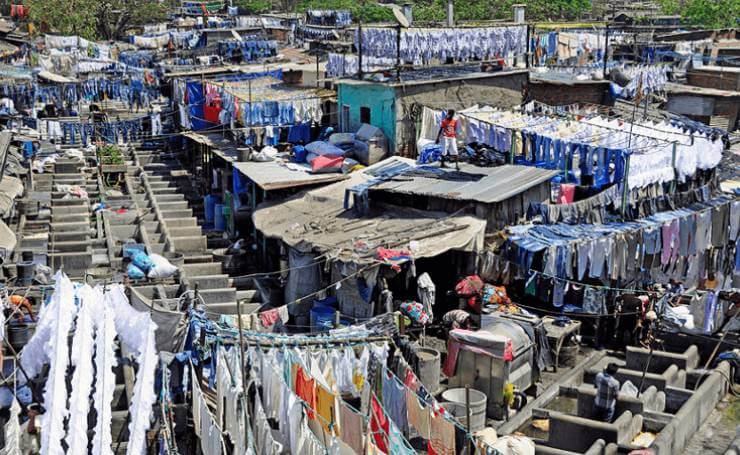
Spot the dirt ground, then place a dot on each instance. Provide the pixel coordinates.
(716, 434)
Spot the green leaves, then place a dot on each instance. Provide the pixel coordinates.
(94, 19)
(705, 13)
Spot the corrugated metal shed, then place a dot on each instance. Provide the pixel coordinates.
(486, 185)
(318, 222)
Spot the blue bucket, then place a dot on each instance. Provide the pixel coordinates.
(219, 222)
(209, 203)
(322, 318)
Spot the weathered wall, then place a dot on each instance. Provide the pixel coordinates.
(714, 79)
(500, 90)
(378, 97)
(556, 94)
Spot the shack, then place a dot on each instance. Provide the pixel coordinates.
(560, 89)
(713, 106)
(394, 105)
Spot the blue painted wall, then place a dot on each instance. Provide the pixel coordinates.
(381, 100)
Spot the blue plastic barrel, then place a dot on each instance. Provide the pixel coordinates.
(322, 318)
(210, 205)
(219, 222)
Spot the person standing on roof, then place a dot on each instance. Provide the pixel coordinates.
(607, 389)
(448, 129)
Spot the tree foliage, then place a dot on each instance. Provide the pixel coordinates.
(254, 6)
(705, 13)
(436, 10)
(94, 19)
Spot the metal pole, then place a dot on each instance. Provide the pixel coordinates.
(250, 101)
(529, 56)
(398, 52)
(242, 355)
(467, 412)
(318, 53)
(606, 49)
(359, 47)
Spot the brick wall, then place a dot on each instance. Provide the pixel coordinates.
(556, 94)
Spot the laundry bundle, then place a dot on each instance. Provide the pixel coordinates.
(681, 244)
(340, 65)
(331, 18)
(420, 46)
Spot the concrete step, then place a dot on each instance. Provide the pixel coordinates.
(168, 214)
(222, 295)
(209, 268)
(209, 281)
(191, 244)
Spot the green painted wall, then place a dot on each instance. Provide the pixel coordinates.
(381, 101)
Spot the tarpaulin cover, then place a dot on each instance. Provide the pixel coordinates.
(326, 164)
(194, 93)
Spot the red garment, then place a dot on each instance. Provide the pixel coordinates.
(385, 254)
(210, 113)
(411, 381)
(269, 318)
(567, 191)
(469, 286)
(379, 425)
(449, 127)
(305, 388)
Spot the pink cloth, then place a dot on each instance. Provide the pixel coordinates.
(567, 192)
(269, 318)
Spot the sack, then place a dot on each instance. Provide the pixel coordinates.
(324, 149)
(142, 261)
(134, 272)
(266, 154)
(161, 267)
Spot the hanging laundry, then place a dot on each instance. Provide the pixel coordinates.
(352, 428)
(379, 424)
(442, 432)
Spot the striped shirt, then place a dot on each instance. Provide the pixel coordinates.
(607, 388)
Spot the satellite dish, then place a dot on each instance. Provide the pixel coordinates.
(401, 18)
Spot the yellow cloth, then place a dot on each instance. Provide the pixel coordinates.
(325, 407)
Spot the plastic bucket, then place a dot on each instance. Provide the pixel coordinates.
(428, 364)
(322, 318)
(209, 203)
(455, 399)
(219, 222)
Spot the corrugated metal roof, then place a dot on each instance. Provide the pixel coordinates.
(494, 184)
(271, 175)
(318, 222)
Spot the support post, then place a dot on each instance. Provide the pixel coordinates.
(606, 49)
(398, 52)
(467, 415)
(359, 48)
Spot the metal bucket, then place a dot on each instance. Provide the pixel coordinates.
(18, 335)
(25, 271)
(232, 263)
(175, 258)
(245, 153)
(429, 364)
(455, 399)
